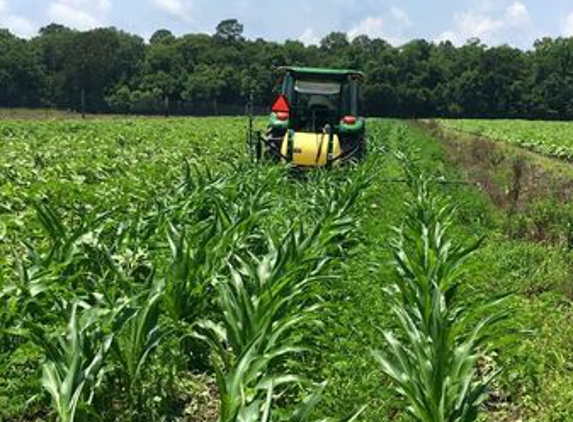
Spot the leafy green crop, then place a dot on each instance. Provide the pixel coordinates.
(176, 257)
(549, 138)
(433, 360)
(149, 271)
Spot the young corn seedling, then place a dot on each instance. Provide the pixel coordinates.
(69, 246)
(433, 357)
(73, 362)
(57, 274)
(139, 333)
(259, 313)
(194, 263)
(265, 304)
(186, 283)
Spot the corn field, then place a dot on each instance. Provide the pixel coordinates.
(151, 272)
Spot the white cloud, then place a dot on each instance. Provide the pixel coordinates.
(480, 23)
(80, 14)
(176, 8)
(568, 26)
(65, 14)
(18, 25)
(103, 5)
(400, 16)
(373, 26)
(477, 25)
(517, 14)
(447, 36)
(389, 27)
(308, 37)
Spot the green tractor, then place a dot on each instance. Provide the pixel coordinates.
(315, 121)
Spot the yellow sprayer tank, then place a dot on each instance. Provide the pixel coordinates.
(310, 149)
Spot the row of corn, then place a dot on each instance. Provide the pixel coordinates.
(433, 353)
(220, 277)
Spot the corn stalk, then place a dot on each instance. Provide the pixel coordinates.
(433, 355)
(139, 333)
(265, 304)
(73, 362)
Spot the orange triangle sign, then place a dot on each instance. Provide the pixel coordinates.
(281, 105)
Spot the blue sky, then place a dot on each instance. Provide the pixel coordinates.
(515, 22)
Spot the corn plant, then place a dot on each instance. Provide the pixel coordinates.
(433, 359)
(67, 267)
(67, 244)
(335, 225)
(264, 303)
(259, 304)
(138, 333)
(73, 362)
(193, 263)
(262, 410)
(185, 283)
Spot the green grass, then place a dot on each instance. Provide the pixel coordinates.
(535, 383)
(101, 214)
(33, 114)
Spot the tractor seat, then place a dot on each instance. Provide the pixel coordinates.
(318, 102)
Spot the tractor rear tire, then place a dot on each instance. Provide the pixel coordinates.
(357, 148)
(362, 148)
(272, 145)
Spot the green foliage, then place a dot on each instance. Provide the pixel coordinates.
(199, 73)
(434, 360)
(73, 362)
(136, 340)
(265, 304)
(548, 138)
(151, 228)
(147, 261)
(229, 30)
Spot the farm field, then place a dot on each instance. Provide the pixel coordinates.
(139, 261)
(35, 114)
(549, 138)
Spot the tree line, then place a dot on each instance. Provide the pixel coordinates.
(109, 70)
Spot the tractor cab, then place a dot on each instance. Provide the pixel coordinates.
(320, 98)
(315, 121)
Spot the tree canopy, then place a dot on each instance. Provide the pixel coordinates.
(120, 72)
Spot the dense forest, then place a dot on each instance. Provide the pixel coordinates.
(108, 70)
